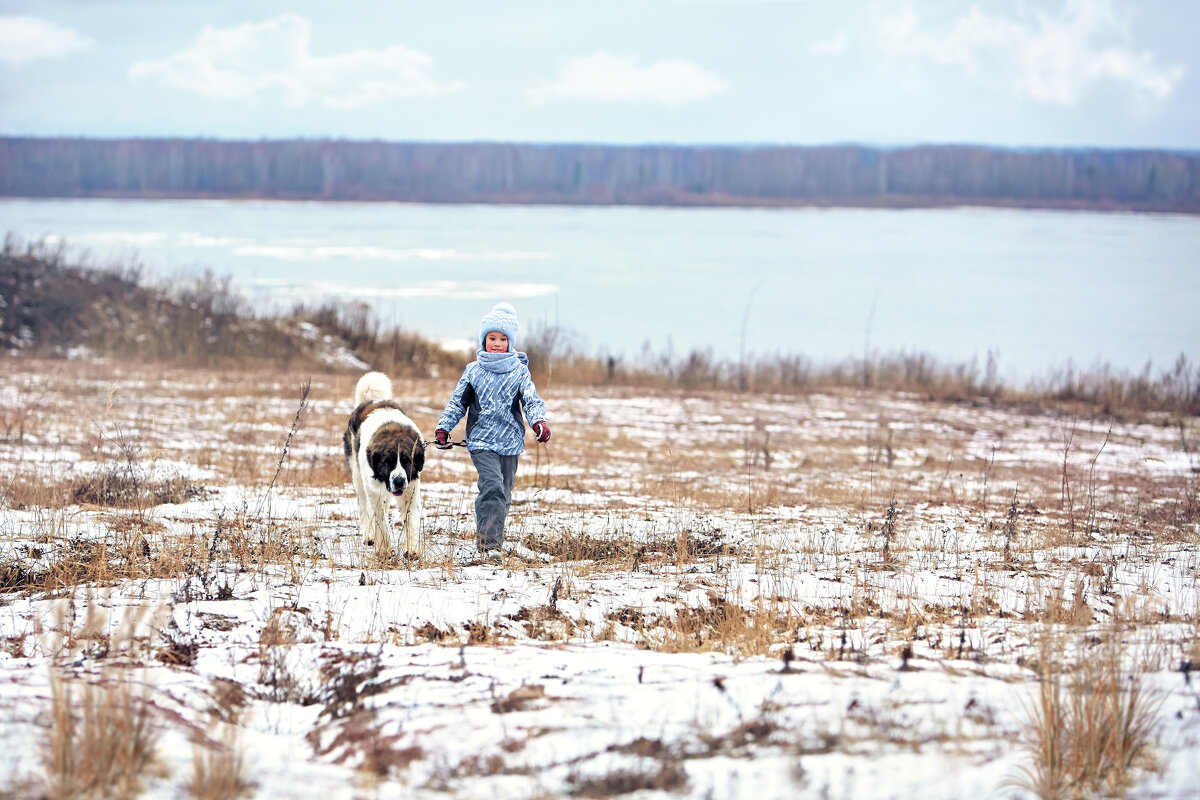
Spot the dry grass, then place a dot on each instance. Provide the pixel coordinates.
(102, 741)
(219, 770)
(723, 626)
(1089, 727)
(662, 776)
(1102, 389)
(817, 544)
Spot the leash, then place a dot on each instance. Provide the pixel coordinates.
(450, 445)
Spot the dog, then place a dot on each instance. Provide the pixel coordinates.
(384, 454)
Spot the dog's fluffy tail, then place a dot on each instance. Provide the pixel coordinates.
(372, 387)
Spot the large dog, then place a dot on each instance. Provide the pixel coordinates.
(385, 454)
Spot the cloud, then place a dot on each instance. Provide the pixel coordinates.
(1052, 58)
(256, 60)
(609, 78)
(31, 38)
(833, 46)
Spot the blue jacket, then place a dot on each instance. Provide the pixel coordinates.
(492, 403)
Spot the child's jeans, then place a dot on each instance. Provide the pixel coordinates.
(496, 476)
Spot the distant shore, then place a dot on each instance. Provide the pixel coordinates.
(846, 176)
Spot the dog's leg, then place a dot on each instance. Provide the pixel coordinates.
(379, 522)
(416, 523)
(364, 508)
(372, 508)
(410, 517)
(361, 497)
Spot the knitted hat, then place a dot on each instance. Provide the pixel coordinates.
(502, 318)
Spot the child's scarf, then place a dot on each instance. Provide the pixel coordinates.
(500, 362)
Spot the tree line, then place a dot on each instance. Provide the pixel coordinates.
(485, 172)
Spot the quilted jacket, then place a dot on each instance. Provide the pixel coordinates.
(492, 403)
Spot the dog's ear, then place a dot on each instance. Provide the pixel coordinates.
(418, 458)
(377, 457)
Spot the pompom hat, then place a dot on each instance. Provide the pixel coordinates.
(502, 318)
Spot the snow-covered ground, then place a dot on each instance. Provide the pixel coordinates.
(710, 595)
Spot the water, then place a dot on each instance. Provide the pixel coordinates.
(1036, 288)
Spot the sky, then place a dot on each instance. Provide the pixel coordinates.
(1011, 73)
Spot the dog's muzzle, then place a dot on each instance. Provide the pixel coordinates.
(397, 485)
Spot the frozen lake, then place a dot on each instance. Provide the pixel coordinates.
(1036, 287)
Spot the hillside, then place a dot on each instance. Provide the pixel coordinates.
(56, 305)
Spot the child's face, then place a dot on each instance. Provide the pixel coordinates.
(495, 342)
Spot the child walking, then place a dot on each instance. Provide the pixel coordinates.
(491, 393)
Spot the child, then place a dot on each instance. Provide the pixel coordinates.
(491, 392)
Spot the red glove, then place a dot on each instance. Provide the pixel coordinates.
(442, 438)
(542, 430)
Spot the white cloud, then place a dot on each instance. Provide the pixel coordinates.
(31, 38)
(1053, 58)
(605, 77)
(252, 61)
(834, 46)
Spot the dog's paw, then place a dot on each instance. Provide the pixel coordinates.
(369, 542)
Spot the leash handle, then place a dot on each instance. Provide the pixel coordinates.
(449, 445)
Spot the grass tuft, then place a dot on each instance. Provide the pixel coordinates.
(219, 770)
(101, 741)
(1087, 729)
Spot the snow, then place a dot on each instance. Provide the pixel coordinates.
(670, 613)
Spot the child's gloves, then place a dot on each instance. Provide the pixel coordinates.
(442, 438)
(543, 431)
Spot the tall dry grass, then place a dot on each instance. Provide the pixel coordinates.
(1088, 727)
(219, 768)
(102, 740)
(556, 356)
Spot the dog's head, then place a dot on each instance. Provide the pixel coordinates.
(396, 456)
